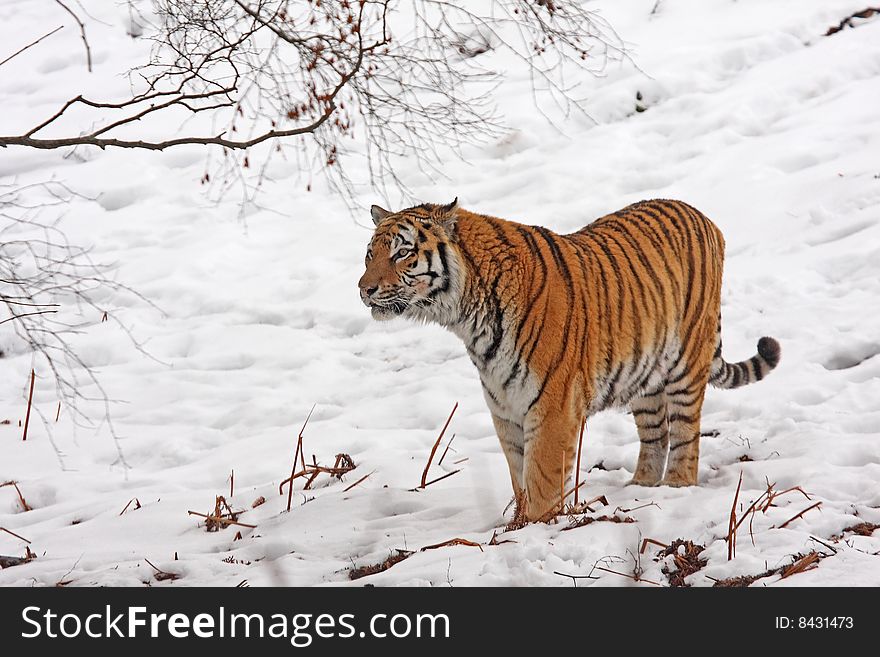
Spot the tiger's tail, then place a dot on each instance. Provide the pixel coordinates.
(733, 375)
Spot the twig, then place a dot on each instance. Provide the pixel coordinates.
(574, 578)
(796, 516)
(297, 453)
(434, 481)
(3, 529)
(137, 505)
(577, 472)
(82, 31)
(651, 541)
(58, 412)
(731, 525)
(31, 45)
(440, 462)
(627, 575)
(636, 508)
(452, 541)
(162, 575)
(359, 481)
(232, 482)
(225, 521)
(436, 444)
(27, 417)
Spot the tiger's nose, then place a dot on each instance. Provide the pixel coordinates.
(368, 288)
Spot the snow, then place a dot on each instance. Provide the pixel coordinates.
(752, 116)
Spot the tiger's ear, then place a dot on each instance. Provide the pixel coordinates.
(449, 215)
(378, 214)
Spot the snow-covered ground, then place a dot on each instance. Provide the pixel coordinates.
(753, 116)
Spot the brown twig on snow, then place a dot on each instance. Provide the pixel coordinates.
(440, 462)
(27, 417)
(231, 483)
(436, 444)
(731, 525)
(22, 538)
(137, 503)
(359, 481)
(798, 515)
(297, 453)
(24, 505)
(651, 541)
(434, 481)
(450, 542)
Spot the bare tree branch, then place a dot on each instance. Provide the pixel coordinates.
(30, 45)
(321, 74)
(82, 32)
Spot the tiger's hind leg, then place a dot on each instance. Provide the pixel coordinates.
(684, 395)
(650, 412)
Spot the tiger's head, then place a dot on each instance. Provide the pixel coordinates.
(412, 267)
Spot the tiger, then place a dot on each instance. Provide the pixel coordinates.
(625, 312)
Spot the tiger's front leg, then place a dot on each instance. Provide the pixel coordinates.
(550, 447)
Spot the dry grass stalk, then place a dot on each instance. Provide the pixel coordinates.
(298, 454)
(359, 481)
(58, 412)
(24, 505)
(461, 460)
(313, 475)
(162, 575)
(365, 571)
(437, 444)
(12, 533)
(452, 541)
(798, 515)
(137, 505)
(27, 417)
(577, 471)
(804, 563)
(231, 483)
(443, 456)
(732, 524)
(434, 481)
